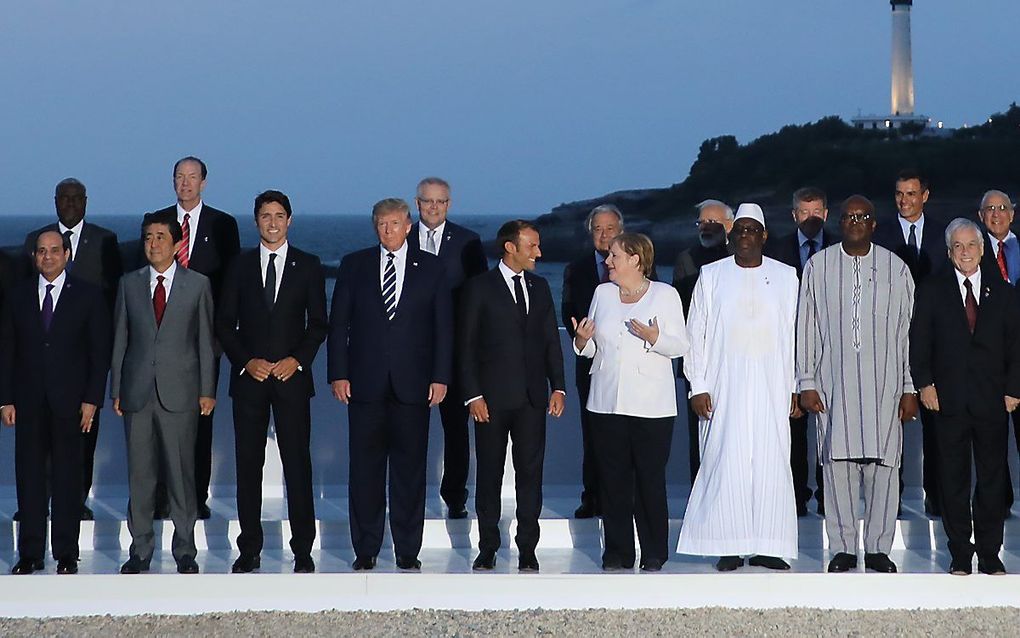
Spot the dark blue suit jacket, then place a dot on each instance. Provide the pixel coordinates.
(372, 352)
(460, 251)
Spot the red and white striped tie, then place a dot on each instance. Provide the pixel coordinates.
(182, 253)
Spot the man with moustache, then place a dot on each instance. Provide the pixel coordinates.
(856, 300)
(95, 259)
(580, 278)
(460, 250)
(271, 321)
(965, 358)
(810, 210)
(511, 370)
(210, 242)
(715, 221)
(389, 357)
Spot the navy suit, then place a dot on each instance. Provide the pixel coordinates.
(390, 365)
(460, 250)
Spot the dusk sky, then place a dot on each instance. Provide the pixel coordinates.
(521, 105)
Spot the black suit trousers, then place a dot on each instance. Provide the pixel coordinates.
(88, 450)
(292, 422)
(589, 460)
(960, 439)
(525, 426)
(799, 463)
(456, 449)
(44, 437)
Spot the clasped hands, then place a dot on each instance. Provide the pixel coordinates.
(584, 330)
(930, 399)
(260, 369)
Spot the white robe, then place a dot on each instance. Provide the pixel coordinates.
(742, 325)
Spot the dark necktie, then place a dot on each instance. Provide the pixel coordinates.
(522, 305)
(389, 287)
(70, 247)
(47, 308)
(159, 300)
(912, 240)
(270, 288)
(970, 306)
(603, 273)
(183, 255)
(812, 248)
(1001, 259)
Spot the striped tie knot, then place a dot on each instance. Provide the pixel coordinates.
(389, 287)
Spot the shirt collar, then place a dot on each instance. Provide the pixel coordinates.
(76, 230)
(905, 225)
(399, 253)
(995, 240)
(975, 279)
(423, 230)
(194, 212)
(801, 238)
(507, 273)
(871, 249)
(281, 251)
(168, 274)
(58, 283)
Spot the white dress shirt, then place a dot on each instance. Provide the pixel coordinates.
(508, 276)
(58, 285)
(168, 279)
(75, 236)
(918, 229)
(281, 259)
(193, 214)
(437, 237)
(399, 264)
(975, 282)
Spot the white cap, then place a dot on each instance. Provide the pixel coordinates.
(752, 211)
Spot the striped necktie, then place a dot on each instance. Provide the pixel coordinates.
(183, 254)
(389, 287)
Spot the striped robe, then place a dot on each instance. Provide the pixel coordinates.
(852, 347)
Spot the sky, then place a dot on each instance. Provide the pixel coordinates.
(520, 105)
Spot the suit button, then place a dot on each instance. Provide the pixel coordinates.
(47, 344)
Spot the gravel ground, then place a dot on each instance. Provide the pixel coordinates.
(594, 622)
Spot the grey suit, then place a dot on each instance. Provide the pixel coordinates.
(159, 374)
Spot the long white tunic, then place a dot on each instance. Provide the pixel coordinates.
(741, 326)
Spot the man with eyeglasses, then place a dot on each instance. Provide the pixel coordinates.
(856, 300)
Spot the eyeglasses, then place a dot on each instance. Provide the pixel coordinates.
(434, 202)
(992, 208)
(701, 223)
(856, 218)
(746, 230)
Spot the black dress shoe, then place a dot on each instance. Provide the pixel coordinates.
(768, 562)
(586, 509)
(362, 563)
(485, 562)
(961, 567)
(456, 512)
(87, 514)
(134, 565)
(652, 564)
(17, 516)
(204, 513)
(931, 508)
(527, 562)
(612, 565)
(27, 566)
(991, 565)
(729, 563)
(408, 563)
(842, 562)
(246, 563)
(187, 565)
(879, 562)
(67, 566)
(304, 564)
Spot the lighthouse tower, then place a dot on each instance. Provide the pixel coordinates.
(902, 68)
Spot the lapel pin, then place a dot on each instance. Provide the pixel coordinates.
(414, 263)
(293, 263)
(205, 238)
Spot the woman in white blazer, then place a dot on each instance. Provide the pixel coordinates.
(634, 328)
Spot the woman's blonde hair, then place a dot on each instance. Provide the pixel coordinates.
(638, 244)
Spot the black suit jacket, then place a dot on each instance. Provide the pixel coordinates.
(931, 256)
(787, 249)
(295, 327)
(507, 363)
(217, 242)
(97, 260)
(64, 367)
(460, 251)
(972, 373)
(8, 275)
(580, 277)
(410, 352)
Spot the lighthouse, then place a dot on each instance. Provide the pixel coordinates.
(902, 68)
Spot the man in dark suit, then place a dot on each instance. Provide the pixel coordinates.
(511, 370)
(8, 276)
(965, 358)
(211, 241)
(389, 357)
(161, 382)
(54, 357)
(810, 210)
(919, 242)
(580, 278)
(95, 259)
(271, 320)
(461, 252)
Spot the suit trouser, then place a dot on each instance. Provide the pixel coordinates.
(845, 483)
(157, 438)
(525, 426)
(799, 463)
(394, 435)
(36, 439)
(632, 455)
(1009, 478)
(456, 449)
(589, 457)
(987, 441)
(88, 446)
(251, 403)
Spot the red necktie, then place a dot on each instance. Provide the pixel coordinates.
(182, 254)
(970, 305)
(1001, 258)
(159, 300)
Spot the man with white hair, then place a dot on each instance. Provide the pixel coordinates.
(741, 370)
(1001, 249)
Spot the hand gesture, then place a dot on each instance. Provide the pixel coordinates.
(584, 330)
(285, 368)
(811, 401)
(259, 369)
(648, 332)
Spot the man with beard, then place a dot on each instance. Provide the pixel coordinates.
(715, 220)
(810, 210)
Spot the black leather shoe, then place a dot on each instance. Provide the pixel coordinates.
(729, 563)
(134, 565)
(87, 514)
(527, 562)
(408, 563)
(304, 564)
(27, 566)
(204, 513)
(246, 563)
(485, 562)
(187, 565)
(768, 562)
(612, 565)
(842, 562)
(652, 564)
(67, 566)
(879, 562)
(362, 563)
(586, 509)
(456, 512)
(991, 565)
(961, 566)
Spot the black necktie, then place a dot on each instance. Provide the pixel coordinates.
(812, 248)
(67, 235)
(912, 240)
(522, 305)
(970, 306)
(270, 289)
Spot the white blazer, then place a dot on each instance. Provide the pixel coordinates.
(629, 376)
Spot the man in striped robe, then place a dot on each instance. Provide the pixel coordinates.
(853, 371)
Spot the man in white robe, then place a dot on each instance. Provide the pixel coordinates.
(741, 371)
